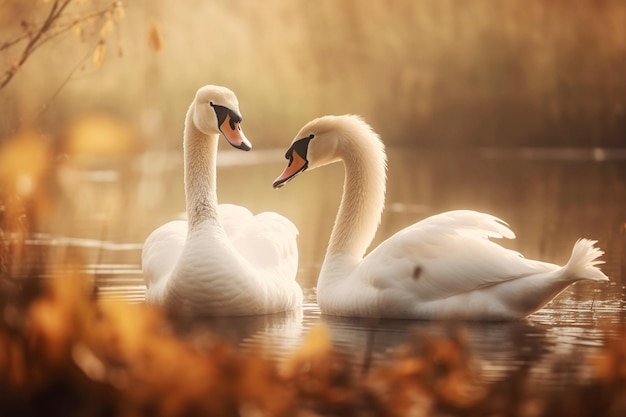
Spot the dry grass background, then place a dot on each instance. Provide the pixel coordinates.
(431, 73)
(424, 73)
(102, 95)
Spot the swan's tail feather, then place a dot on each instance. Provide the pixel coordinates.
(582, 263)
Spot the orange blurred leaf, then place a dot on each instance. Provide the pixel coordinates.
(77, 30)
(107, 27)
(98, 55)
(23, 160)
(154, 38)
(118, 10)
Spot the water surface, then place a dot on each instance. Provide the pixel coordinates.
(550, 198)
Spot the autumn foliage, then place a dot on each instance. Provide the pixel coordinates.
(63, 353)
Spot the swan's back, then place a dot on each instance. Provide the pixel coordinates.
(267, 241)
(446, 267)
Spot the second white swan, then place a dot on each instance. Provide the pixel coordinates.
(222, 260)
(443, 267)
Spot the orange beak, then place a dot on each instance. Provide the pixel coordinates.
(235, 136)
(296, 165)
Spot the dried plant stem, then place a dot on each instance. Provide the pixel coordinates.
(66, 80)
(55, 11)
(54, 25)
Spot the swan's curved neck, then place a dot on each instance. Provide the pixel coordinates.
(200, 151)
(363, 197)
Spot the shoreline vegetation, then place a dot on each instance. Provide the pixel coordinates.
(63, 352)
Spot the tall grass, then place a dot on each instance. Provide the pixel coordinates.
(481, 72)
(425, 73)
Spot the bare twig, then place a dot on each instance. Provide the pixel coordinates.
(34, 42)
(66, 80)
(54, 25)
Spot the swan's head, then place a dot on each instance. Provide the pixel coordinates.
(320, 142)
(216, 110)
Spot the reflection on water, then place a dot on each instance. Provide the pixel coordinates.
(548, 201)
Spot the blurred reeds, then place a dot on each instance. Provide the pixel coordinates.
(63, 354)
(425, 73)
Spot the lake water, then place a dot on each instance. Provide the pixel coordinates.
(550, 198)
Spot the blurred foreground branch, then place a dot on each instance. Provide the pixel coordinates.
(60, 20)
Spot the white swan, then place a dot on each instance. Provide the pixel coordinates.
(223, 260)
(443, 267)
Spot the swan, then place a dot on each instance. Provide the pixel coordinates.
(443, 267)
(223, 260)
